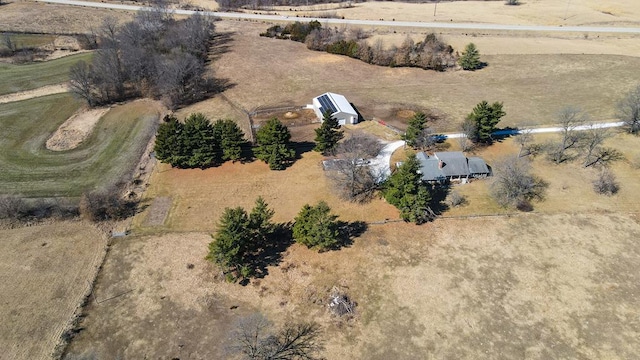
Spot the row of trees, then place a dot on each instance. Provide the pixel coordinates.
(431, 53)
(197, 143)
(154, 55)
(244, 241)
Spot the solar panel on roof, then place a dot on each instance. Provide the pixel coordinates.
(326, 104)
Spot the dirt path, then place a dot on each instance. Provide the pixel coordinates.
(30, 94)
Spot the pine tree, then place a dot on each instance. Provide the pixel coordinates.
(169, 146)
(273, 144)
(328, 134)
(231, 241)
(230, 137)
(260, 222)
(485, 117)
(404, 190)
(200, 141)
(470, 59)
(416, 129)
(316, 227)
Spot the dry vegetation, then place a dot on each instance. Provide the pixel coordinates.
(46, 271)
(557, 286)
(543, 285)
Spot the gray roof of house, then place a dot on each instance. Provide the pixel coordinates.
(454, 163)
(429, 167)
(478, 166)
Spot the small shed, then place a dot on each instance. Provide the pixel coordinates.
(337, 105)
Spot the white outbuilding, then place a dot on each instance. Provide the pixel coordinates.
(339, 107)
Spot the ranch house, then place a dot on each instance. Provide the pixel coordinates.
(339, 107)
(451, 166)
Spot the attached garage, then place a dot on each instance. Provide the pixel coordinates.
(337, 105)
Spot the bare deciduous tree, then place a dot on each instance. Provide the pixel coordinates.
(524, 139)
(606, 183)
(514, 185)
(254, 339)
(569, 118)
(81, 82)
(354, 179)
(592, 150)
(629, 111)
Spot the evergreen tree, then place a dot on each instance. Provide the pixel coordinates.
(416, 129)
(241, 238)
(230, 137)
(470, 59)
(260, 222)
(328, 134)
(231, 241)
(485, 117)
(200, 140)
(273, 144)
(169, 146)
(316, 227)
(405, 190)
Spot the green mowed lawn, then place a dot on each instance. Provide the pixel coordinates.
(14, 78)
(109, 154)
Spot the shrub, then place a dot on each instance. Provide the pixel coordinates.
(606, 183)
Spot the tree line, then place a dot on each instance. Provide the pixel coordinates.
(198, 143)
(153, 55)
(431, 53)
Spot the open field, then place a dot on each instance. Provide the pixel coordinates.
(110, 152)
(529, 286)
(29, 40)
(33, 17)
(45, 273)
(31, 76)
(522, 82)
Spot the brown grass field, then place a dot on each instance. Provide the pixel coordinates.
(561, 282)
(268, 72)
(46, 271)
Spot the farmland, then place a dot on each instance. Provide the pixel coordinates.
(46, 272)
(480, 282)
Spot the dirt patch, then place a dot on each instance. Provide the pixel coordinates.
(75, 130)
(158, 211)
(405, 114)
(298, 117)
(30, 94)
(46, 271)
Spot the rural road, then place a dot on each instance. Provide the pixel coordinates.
(419, 24)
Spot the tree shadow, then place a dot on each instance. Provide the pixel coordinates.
(302, 147)
(348, 231)
(439, 193)
(220, 44)
(271, 251)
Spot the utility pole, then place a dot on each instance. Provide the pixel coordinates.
(435, 7)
